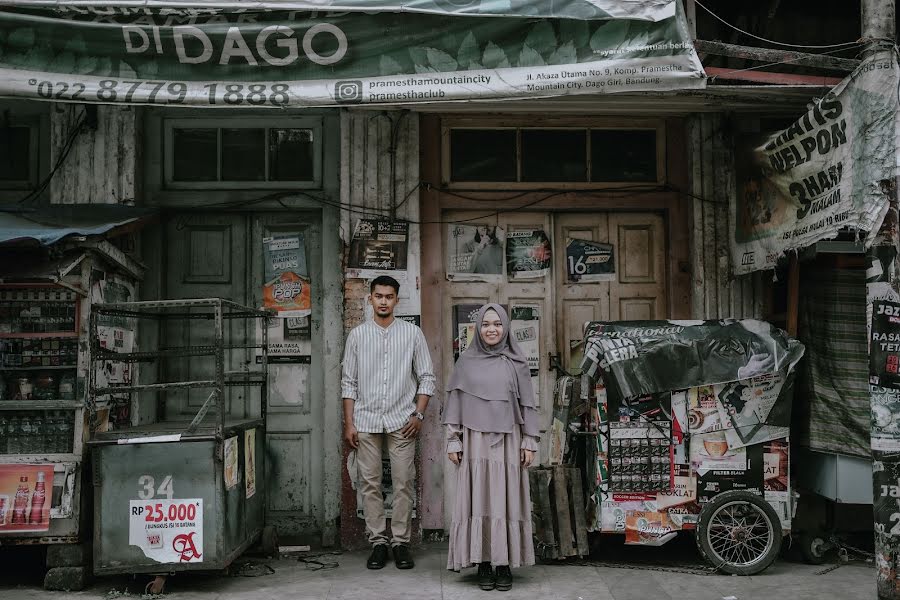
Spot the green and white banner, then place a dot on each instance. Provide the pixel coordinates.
(274, 58)
(831, 170)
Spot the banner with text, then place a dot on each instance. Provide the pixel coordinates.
(823, 174)
(290, 58)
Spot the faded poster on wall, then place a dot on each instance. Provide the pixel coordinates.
(23, 507)
(250, 462)
(754, 410)
(378, 247)
(823, 173)
(287, 286)
(288, 340)
(776, 474)
(231, 472)
(588, 261)
(475, 252)
(885, 418)
(528, 254)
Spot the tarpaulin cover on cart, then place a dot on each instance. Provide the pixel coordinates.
(637, 358)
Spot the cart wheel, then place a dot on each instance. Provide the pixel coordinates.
(813, 547)
(269, 541)
(739, 533)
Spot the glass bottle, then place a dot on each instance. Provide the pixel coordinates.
(26, 436)
(67, 430)
(14, 441)
(5, 433)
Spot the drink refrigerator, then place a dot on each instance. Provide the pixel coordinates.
(45, 307)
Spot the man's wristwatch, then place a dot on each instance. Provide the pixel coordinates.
(418, 415)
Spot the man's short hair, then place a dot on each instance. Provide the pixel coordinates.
(387, 281)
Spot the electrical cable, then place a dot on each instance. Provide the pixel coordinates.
(67, 148)
(768, 41)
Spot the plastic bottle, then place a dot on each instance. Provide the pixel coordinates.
(20, 504)
(38, 498)
(67, 430)
(14, 441)
(26, 436)
(5, 433)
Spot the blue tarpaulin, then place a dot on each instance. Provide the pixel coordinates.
(48, 225)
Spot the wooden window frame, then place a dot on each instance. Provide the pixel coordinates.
(564, 123)
(34, 139)
(170, 125)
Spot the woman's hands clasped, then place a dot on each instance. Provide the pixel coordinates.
(455, 457)
(527, 457)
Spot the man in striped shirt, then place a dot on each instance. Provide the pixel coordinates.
(386, 383)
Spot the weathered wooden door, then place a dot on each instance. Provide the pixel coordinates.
(221, 255)
(637, 291)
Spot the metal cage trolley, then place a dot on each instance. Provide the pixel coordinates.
(172, 495)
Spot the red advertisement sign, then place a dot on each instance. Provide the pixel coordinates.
(26, 492)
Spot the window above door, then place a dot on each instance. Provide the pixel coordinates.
(496, 154)
(243, 153)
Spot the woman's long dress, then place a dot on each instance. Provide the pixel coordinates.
(492, 513)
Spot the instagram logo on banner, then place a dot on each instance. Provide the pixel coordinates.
(348, 92)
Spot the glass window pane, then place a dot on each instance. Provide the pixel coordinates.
(15, 153)
(483, 155)
(291, 155)
(623, 155)
(243, 154)
(194, 155)
(554, 155)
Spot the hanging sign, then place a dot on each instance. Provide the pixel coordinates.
(825, 173)
(167, 531)
(290, 58)
(528, 254)
(286, 288)
(588, 261)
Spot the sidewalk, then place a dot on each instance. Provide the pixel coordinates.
(294, 580)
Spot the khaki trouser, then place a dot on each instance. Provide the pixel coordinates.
(402, 452)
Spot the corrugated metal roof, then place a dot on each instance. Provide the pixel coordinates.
(48, 225)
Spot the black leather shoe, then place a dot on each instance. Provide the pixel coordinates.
(504, 579)
(378, 558)
(485, 576)
(402, 557)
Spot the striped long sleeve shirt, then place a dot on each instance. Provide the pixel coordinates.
(384, 369)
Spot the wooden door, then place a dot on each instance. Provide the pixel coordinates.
(637, 290)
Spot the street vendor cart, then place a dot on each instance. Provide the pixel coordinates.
(182, 496)
(692, 433)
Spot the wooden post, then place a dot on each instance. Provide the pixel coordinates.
(793, 295)
(878, 31)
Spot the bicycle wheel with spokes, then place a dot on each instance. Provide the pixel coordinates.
(739, 533)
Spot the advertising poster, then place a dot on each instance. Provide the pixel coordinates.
(703, 410)
(288, 340)
(821, 174)
(528, 254)
(377, 248)
(26, 493)
(884, 346)
(250, 462)
(525, 326)
(232, 474)
(746, 474)
(710, 452)
(885, 419)
(475, 252)
(647, 528)
(167, 531)
(588, 262)
(286, 289)
(747, 409)
(776, 482)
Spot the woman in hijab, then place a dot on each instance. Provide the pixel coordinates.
(492, 437)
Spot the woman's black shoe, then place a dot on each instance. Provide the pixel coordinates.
(504, 579)
(485, 576)
(378, 558)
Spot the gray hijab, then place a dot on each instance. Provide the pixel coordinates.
(498, 372)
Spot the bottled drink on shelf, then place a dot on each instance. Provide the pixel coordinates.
(67, 431)
(5, 433)
(27, 445)
(20, 504)
(38, 498)
(14, 442)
